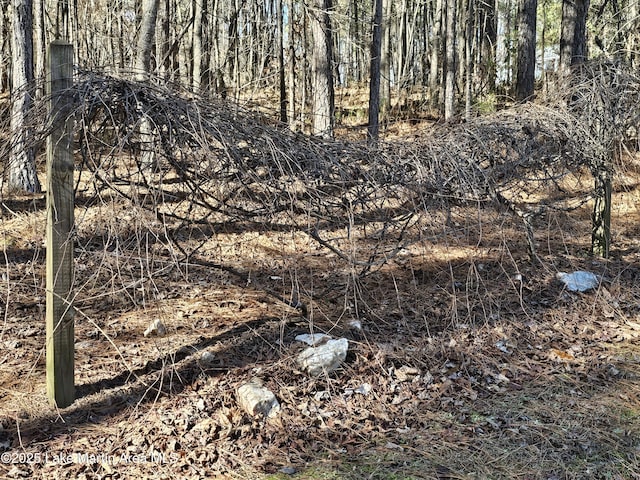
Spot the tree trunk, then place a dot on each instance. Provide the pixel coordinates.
(385, 59)
(322, 71)
(198, 53)
(468, 60)
(450, 62)
(504, 67)
(146, 39)
(487, 54)
(633, 34)
(4, 34)
(437, 49)
(573, 35)
(39, 45)
(374, 73)
(163, 62)
(525, 78)
(291, 111)
(22, 166)
(281, 65)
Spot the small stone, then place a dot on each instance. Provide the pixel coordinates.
(355, 324)
(324, 358)
(406, 373)
(363, 389)
(257, 400)
(207, 358)
(579, 281)
(156, 328)
(312, 339)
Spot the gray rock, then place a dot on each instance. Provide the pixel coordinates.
(257, 400)
(324, 358)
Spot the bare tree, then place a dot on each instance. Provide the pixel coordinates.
(525, 77)
(281, 65)
(22, 166)
(146, 40)
(437, 48)
(450, 61)
(323, 102)
(374, 73)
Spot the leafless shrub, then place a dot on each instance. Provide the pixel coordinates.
(218, 166)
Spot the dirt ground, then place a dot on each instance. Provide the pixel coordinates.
(466, 359)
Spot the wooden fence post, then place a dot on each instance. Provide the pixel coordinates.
(60, 243)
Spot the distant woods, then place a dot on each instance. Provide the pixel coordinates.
(446, 57)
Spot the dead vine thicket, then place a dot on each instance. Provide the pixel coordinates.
(217, 166)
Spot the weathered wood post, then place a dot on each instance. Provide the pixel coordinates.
(60, 203)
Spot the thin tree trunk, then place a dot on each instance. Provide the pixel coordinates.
(322, 71)
(39, 45)
(22, 165)
(291, 114)
(385, 59)
(487, 53)
(450, 62)
(199, 8)
(145, 44)
(504, 68)
(281, 65)
(163, 62)
(146, 38)
(437, 49)
(5, 69)
(468, 62)
(374, 73)
(633, 34)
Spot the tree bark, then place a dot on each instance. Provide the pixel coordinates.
(322, 71)
(573, 34)
(488, 35)
(374, 73)
(385, 59)
(146, 38)
(22, 165)
(282, 86)
(198, 53)
(525, 78)
(4, 34)
(468, 60)
(39, 44)
(450, 62)
(437, 49)
(291, 72)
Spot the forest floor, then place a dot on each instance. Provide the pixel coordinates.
(466, 359)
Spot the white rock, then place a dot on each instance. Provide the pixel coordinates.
(312, 339)
(363, 389)
(207, 358)
(324, 358)
(258, 400)
(406, 373)
(579, 281)
(156, 328)
(355, 324)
